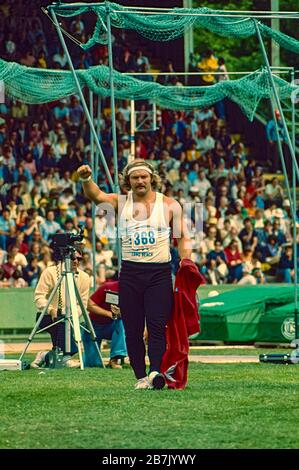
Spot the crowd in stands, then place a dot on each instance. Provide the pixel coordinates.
(246, 233)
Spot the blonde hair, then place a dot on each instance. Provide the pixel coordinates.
(155, 178)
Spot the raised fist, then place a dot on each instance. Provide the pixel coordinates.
(84, 171)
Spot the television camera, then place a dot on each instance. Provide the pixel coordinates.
(64, 244)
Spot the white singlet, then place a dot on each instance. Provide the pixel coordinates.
(146, 241)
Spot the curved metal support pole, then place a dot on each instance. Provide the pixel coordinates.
(113, 121)
(93, 206)
(85, 107)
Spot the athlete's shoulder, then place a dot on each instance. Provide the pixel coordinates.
(169, 200)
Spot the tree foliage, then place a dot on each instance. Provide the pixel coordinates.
(244, 54)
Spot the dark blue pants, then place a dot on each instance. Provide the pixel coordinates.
(145, 297)
(57, 332)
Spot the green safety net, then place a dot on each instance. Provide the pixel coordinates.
(33, 86)
(165, 27)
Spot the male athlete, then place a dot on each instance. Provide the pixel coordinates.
(146, 219)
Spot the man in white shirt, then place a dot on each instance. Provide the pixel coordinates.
(45, 286)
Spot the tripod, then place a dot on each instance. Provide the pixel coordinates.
(71, 317)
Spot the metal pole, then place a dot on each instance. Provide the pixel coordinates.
(68, 6)
(93, 206)
(132, 133)
(154, 116)
(112, 101)
(96, 166)
(295, 216)
(68, 312)
(275, 48)
(285, 127)
(248, 16)
(279, 71)
(188, 38)
(85, 107)
(113, 122)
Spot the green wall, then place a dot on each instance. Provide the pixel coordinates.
(17, 309)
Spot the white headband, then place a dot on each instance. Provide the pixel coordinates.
(140, 167)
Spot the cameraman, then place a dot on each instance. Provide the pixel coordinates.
(107, 323)
(45, 286)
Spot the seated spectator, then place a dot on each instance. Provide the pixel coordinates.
(18, 281)
(259, 220)
(142, 62)
(237, 219)
(247, 259)
(234, 262)
(60, 148)
(274, 193)
(193, 173)
(46, 261)
(224, 227)
(218, 255)
(9, 268)
(202, 183)
(32, 272)
(49, 227)
(166, 79)
(5, 224)
(247, 279)
(277, 229)
(103, 255)
(220, 171)
(248, 235)
(60, 58)
(232, 236)
(49, 182)
(208, 244)
(61, 111)
(285, 268)
(272, 251)
(28, 59)
(182, 184)
(41, 61)
(212, 274)
(86, 262)
(259, 276)
(127, 62)
(223, 207)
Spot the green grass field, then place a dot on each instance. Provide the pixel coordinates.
(225, 406)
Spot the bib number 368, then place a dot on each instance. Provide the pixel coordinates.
(144, 239)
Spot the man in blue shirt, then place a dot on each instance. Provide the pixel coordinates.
(49, 227)
(5, 224)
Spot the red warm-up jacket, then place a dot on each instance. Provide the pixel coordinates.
(183, 322)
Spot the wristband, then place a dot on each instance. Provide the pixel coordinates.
(85, 180)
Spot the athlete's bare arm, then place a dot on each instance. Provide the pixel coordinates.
(179, 228)
(91, 189)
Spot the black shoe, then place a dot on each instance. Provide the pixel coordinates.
(157, 380)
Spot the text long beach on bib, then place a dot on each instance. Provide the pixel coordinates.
(145, 240)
